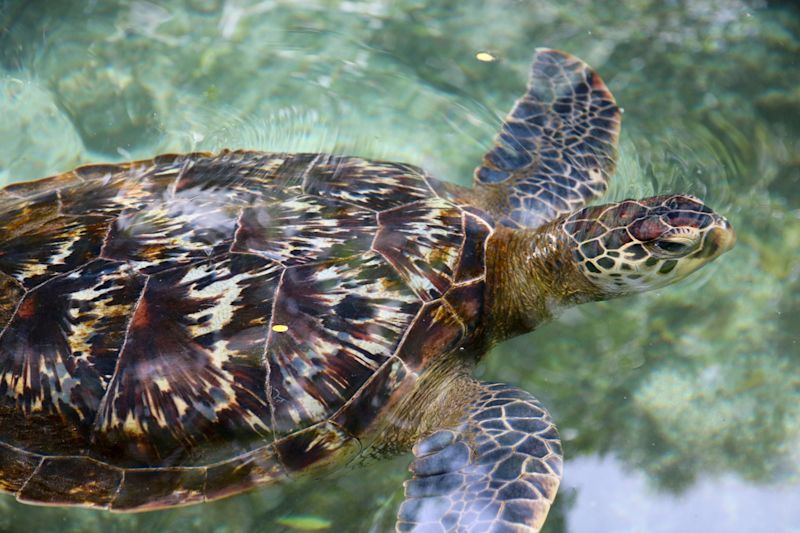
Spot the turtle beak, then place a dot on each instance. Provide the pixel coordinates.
(721, 238)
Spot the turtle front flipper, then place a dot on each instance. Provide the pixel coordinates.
(557, 148)
(498, 471)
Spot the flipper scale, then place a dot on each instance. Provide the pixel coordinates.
(557, 148)
(499, 470)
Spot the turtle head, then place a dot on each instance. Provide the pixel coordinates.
(638, 245)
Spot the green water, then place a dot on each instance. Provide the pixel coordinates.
(679, 409)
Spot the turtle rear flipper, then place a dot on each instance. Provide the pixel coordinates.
(498, 471)
(557, 147)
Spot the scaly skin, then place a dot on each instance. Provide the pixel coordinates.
(530, 275)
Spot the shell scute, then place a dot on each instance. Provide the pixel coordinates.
(72, 480)
(313, 447)
(467, 302)
(472, 262)
(53, 247)
(172, 232)
(65, 334)
(370, 184)
(12, 294)
(145, 489)
(16, 467)
(243, 472)
(237, 178)
(358, 415)
(45, 187)
(344, 320)
(107, 190)
(422, 241)
(198, 335)
(436, 330)
(305, 229)
(109, 197)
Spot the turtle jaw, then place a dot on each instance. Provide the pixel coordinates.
(720, 238)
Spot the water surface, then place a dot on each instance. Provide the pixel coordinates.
(679, 409)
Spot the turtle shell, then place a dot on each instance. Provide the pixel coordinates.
(184, 328)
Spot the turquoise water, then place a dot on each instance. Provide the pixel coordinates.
(679, 409)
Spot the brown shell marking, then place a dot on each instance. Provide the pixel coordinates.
(187, 367)
(140, 362)
(422, 242)
(300, 230)
(345, 320)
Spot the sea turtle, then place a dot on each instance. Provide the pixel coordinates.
(181, 329)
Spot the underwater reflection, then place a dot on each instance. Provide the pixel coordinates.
(626, 499)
